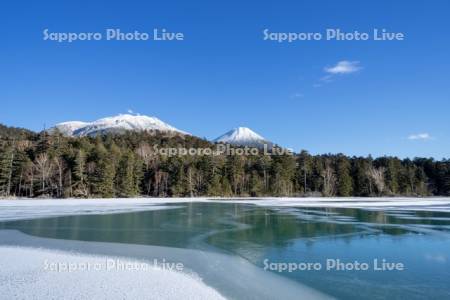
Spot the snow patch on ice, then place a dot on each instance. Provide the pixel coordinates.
(23, 275)
(231, 276)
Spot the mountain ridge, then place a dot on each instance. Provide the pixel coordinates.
(115, 124)
(238, 136)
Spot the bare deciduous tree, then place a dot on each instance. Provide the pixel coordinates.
(376, 175)
(60, 168)
(29, 177)
(161, 183)
(147, 154)
(329, 181)
(43, 167)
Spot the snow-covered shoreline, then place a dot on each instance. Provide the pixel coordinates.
(11, 210)
(19, 209)
(382, 203)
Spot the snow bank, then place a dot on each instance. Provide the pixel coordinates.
(26, 273)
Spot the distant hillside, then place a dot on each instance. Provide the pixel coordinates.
(14, 132)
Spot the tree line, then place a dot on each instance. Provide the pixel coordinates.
(126, 165)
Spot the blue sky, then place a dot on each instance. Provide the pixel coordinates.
(354, 97)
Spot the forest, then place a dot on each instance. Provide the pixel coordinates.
(126, 165)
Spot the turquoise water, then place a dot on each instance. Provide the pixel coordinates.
(417, 239)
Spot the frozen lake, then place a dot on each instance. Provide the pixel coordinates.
(237, 248)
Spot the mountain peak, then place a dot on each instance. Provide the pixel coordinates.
(242, 136)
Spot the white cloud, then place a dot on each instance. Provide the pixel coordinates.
(420, 136)
(344, 67)
(341, 68)
(297, 95)
(130, 111)
(327, 78)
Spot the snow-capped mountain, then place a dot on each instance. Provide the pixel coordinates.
(243, 136)
(116, 124)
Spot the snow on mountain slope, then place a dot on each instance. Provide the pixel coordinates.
(116, 124)
(243, 136)
(67, 128)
